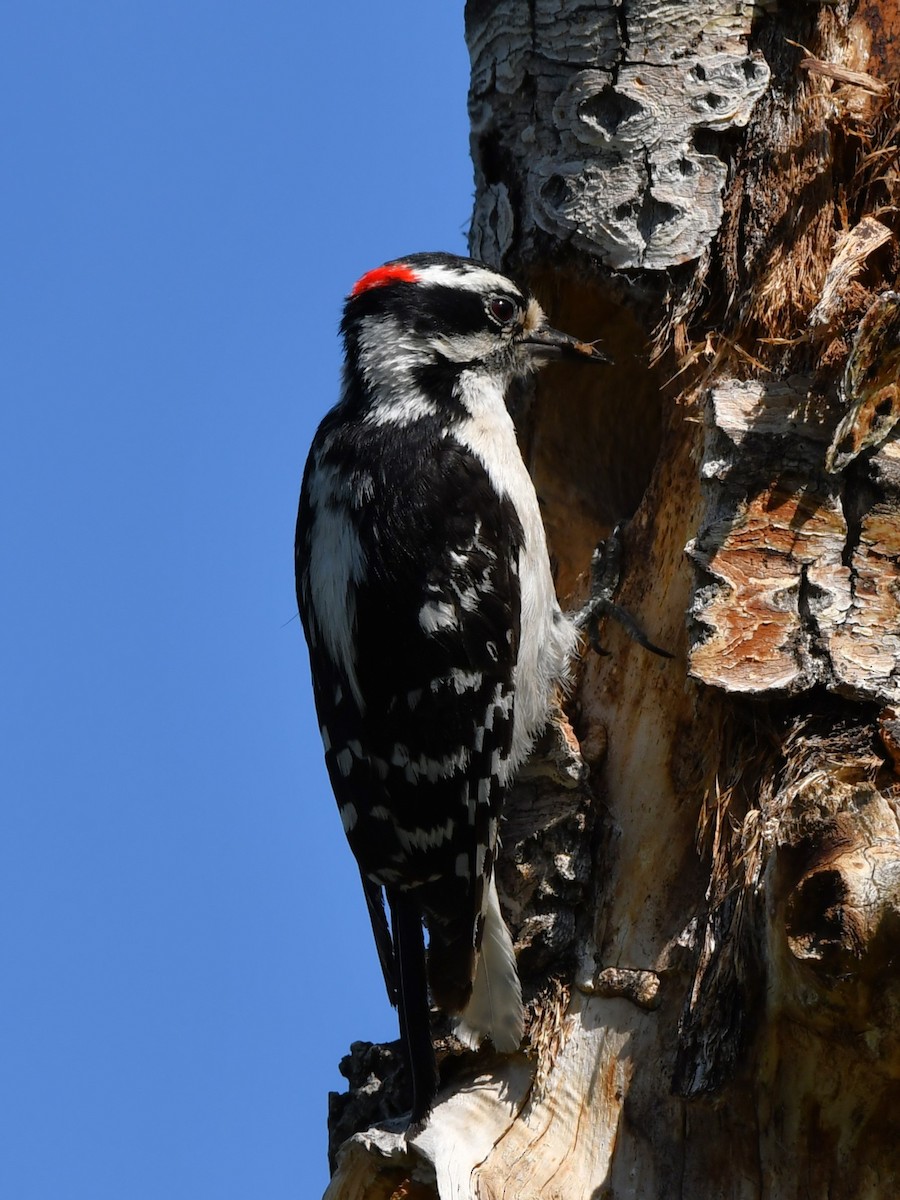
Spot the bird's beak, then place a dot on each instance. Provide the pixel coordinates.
(549, 345)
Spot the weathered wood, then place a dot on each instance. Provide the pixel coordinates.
(799, 570)
(702, 869)
(607, 117)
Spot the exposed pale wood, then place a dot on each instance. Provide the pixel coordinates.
(448, 1152)
(844, 75)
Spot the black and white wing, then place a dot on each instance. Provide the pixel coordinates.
(413, 621)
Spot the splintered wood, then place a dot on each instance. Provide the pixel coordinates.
(798, 579)
(490, 1138)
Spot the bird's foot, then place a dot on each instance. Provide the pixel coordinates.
(606, 570)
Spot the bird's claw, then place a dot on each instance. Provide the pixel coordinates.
(606, 570)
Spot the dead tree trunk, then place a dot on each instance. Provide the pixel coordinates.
(704, 878)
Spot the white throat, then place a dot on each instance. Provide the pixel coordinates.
(547, 638)
(388, 357)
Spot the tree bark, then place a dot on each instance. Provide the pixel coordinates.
(702, 867)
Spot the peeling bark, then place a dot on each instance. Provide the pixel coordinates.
(702, 866)
(802, 567)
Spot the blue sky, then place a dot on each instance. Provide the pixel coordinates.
(190, 189)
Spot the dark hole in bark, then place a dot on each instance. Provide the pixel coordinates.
(609, 108)
(593, 434)
(814, 915)
(555, 191)
(655, 213)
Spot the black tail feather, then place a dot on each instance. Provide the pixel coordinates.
(415, 1020)
(375, 902)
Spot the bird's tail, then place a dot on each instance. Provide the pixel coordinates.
(494, 1008)
(412, 988)
(383, 941)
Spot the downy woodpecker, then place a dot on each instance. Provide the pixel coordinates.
(435, 636)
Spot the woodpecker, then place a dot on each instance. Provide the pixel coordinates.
(435, 637)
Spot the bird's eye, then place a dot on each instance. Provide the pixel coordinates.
(501, 309)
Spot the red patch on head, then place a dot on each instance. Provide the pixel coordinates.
(397, 273)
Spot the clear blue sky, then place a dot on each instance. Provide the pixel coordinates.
(190, 188)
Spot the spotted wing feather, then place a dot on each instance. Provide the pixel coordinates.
(417, 720)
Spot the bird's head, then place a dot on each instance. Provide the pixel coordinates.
(431, 316)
